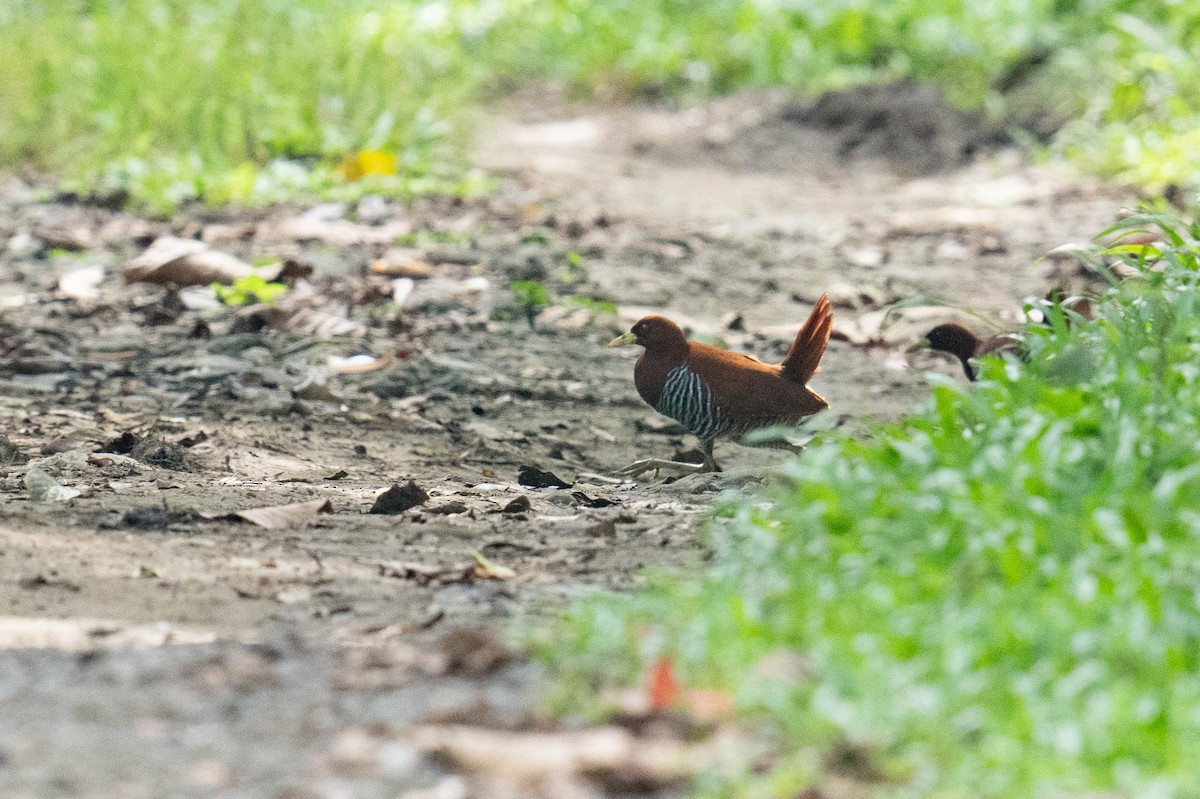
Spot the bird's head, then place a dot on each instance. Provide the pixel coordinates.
(954, 339)
(655, 333)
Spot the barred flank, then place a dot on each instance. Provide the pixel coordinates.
(688, 400)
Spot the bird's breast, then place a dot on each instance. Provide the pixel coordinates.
(689, 400)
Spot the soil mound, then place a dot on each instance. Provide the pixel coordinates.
(912, 126)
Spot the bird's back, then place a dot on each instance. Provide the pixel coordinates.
(749, 393)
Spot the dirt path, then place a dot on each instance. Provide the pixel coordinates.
(301, 655)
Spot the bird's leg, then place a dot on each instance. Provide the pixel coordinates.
(710, 463)
(640, 467)
(656, 465)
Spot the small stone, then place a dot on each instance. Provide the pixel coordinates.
(472, 652)
(44, 488)
(518, 505)
(866, 257)
(952, 250)
(992, 245)
(605, 528)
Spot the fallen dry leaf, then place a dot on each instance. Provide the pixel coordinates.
(341, 232)
(187, 262)
(78, 635)
(663, 688)
(280, 517)
(488, 570)
(82, 284)
(294, 595)
(356, 364)
(64, 237)
(399, 262)
(402, 289)
(608, 754)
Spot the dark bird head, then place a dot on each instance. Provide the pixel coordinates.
(956, 340)
(657, 334)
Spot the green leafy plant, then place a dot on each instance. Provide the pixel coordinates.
(534, 237)
(423, 238)
(249, 290)
(576, 270)
(995, 597)
(597, 306)
(530, 297)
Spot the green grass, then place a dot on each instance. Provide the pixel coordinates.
(997, 597)
(231, 100)
(259, 100)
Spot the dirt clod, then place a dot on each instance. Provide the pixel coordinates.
(10, 453)
(157, 452)
(122, 444)
(399, 498)
(472, 651)
(533, 477)
(153, 518)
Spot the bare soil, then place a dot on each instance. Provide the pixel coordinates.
(155, 646)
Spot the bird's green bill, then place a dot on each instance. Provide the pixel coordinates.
(621, 341)
(918, 346)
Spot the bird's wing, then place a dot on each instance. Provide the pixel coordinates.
(750, 393)
(804, 357)
(1001, 343)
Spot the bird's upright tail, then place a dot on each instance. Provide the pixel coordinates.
(804, 357)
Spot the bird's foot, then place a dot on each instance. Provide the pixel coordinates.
(657, 465)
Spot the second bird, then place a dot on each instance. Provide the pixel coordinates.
(716, 393)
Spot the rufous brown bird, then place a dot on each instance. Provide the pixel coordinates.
(966, 346)
(716, 393)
